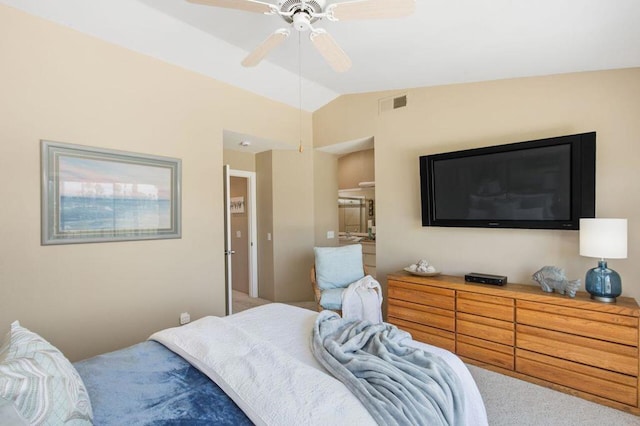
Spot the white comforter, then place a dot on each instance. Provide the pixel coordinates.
(262, 359)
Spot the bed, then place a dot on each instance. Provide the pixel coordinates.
(266, 374)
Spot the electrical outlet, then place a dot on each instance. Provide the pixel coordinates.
(185, 318)
(330, 235)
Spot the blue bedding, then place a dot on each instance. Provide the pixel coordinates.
(147, 384)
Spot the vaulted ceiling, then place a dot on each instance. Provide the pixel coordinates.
(443, 42)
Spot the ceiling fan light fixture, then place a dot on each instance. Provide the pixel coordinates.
(302, 21)
(287, 9)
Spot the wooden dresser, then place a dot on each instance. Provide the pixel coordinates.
(575, 345)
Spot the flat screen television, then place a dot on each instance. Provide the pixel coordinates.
(539, 184)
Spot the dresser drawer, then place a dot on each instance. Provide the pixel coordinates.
(486, 328)
(421, 314)
(430, 296)
(602, 383)
(485, 351)
(599, 325)
(597, 353)
(425, 334)
(485, 305)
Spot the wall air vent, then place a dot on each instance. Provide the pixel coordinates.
(392, 103)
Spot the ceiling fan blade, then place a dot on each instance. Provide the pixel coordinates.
(371, 9)
(246, 5)
(265, 47)
(329, 49)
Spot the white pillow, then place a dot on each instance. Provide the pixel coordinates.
(42, 385)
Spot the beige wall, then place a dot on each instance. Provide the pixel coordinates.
(325, 177)
(446, 118)
(61, 85)
(356, 167)
(293, 224)
(264, 195)
(347, 118)
(239, 160)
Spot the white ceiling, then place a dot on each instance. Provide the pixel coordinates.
(444, 42)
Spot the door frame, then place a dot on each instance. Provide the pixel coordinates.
(226, 196)
(250, 207)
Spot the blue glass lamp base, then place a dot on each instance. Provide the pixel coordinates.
(603, 284)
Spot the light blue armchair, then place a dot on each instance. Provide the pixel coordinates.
(334, 269)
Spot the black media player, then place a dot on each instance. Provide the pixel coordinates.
(475, 277)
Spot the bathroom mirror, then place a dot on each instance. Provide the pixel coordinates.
(355, 210)
(352, 215)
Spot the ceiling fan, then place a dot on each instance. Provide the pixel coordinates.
(302, 14)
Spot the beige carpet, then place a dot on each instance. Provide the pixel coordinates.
(510, 402)
(242, 302)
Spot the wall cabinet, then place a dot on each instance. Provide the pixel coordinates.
(369, 256)
(575, 345)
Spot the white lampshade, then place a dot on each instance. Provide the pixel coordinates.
(603, 238)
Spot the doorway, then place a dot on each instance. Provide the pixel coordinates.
(243, 233)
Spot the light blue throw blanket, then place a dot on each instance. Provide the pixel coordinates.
(398, 385)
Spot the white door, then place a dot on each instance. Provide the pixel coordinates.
(227, 240)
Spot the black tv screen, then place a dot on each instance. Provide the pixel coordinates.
(546, 183)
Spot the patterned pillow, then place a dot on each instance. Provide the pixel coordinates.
(43, 386)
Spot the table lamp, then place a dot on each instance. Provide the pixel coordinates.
(603, 238)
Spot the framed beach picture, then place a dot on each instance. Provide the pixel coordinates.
(96, 195)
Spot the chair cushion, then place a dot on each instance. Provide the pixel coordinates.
(41, 384)
(337, 267)
(332, 299)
